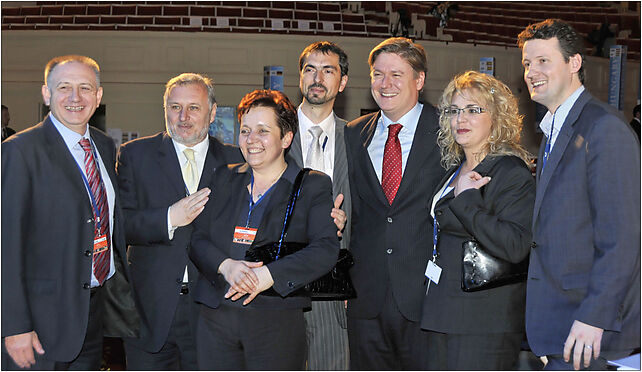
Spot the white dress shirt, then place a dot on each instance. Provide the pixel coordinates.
(72, 140)
(327, 139)
(406, 135)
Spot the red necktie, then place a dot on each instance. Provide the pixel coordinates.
(391, 168)
(101, 259)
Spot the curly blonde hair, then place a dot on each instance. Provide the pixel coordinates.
(497, 99)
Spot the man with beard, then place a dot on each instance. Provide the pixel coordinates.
(323, 71)
(158, 178)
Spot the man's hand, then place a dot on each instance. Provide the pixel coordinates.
(184, 211)
(339, 215)
(20, 347)
(587, 340)
(239, 275)
(470, 180)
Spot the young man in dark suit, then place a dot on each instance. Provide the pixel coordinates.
(323, 72)
(583, 290)
(158, 178)
(393, 164)
(64, 269)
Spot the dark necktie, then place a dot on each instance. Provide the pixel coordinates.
(100, 259)
(391, 167)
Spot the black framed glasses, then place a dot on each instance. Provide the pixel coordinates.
(468, 110)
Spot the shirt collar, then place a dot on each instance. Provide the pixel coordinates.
(70, 137)
(408, 121)
(199, 148)
(560, 114)
(327, 124)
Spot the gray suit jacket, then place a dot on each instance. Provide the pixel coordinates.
(585, 261)
(340, 184)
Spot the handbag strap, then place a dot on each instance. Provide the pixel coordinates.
(294, 195)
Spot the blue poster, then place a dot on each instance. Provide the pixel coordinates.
(617, 58)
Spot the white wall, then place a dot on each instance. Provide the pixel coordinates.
(136, 65)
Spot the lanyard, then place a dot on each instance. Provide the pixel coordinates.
(84, 178)
(549, 140)
(252, 203)
(434, 218)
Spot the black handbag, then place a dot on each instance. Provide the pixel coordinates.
(481, 270)
(334, 285)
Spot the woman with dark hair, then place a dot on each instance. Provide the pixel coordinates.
(237, 328)
(487, 195)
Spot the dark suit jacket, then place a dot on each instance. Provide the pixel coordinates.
(47, 237)
(311, 222)
(390, 243)
(340, 184)
(150, 180)
(585, 264)
(499, 217)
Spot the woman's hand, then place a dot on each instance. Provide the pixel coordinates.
(265, 281)
(470, 180)
(239, 275)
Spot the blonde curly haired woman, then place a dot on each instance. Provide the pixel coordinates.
(487, 195)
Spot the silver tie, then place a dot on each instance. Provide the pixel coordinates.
(315, 152)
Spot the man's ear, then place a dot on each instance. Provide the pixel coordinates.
(575, 63)
(213, 113)
(344, 81)
(46, 94)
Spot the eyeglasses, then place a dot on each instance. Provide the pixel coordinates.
(468, 110)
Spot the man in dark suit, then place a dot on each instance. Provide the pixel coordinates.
(393, 164)
(583, 290)
(158, 178)
(64, 270)
(323, 71)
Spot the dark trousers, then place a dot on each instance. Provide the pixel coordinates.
(557, 363)
(497, 351)
(179, 350)
(234, 338)
(327, 335)
(91, 353)
(387, 342)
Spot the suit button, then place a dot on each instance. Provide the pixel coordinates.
(389, 251)
(90, 220)
(290, 284)
(86, 286)
(533, 245)
(389, 219)
(88, 253)
(179, 280)
(439, 213)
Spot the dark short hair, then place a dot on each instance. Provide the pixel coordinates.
(284, 110)
(89, 62)
(571, 43)
(325, 47)
(191, 78)
(6, 108)
(636, 109)
(405, 48)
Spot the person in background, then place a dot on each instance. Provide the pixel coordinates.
(487, 194)
(6, 131)
(393, 164)
(237, 328)
(65, 278)
(163, 183)
(583, 290)
(323, 72)
(635, 122)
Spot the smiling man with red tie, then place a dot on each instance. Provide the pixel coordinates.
(64, 272)
(393, 165)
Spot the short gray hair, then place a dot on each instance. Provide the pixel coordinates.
(191, 78)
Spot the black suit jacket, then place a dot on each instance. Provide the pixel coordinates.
(390, 243)
(310, 222)
(499, 217)
(47, 231)
(150, 180)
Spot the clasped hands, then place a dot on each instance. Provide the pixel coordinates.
(245, 277)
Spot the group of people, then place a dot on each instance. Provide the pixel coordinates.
(150, 244)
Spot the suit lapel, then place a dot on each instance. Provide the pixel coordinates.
(367, 132)
(106, 151)
(561, 142)
(168, 162)
(340, 172)
(295, 149)
(422, 144)
(213, 159)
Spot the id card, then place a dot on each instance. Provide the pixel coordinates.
(244, 235)
(433, 272)
(100, 244)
